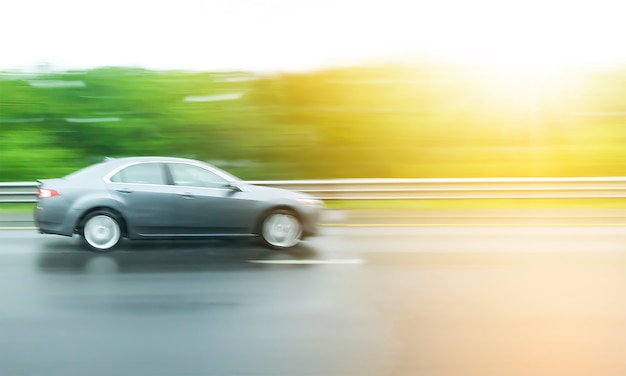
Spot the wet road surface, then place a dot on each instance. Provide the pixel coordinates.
(423, 300)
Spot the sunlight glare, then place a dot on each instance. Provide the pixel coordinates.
(529, 37)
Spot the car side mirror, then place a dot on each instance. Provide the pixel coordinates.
(233, 186)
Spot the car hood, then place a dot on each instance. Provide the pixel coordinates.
(275, 193)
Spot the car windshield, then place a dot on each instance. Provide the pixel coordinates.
(223, 173)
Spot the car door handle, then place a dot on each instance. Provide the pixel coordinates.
(124, 190)
(186, 195)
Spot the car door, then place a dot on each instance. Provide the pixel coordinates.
(207, 204)
(147, 201)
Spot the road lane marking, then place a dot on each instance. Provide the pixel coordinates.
(310, 262)
(17, 228)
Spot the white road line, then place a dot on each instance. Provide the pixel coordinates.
(310, 262)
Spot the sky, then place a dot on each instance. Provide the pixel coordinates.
(283, 35)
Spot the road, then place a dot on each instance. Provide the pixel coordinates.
(469, 300)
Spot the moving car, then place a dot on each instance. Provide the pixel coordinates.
(163, 197)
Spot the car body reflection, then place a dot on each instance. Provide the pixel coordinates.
(68, 256)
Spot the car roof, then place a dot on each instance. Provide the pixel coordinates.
(126, 160)
(109, 164)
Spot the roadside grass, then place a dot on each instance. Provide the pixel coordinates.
(608, 203)
(17, 207)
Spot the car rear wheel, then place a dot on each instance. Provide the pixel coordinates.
(281, 229)
(101, 231)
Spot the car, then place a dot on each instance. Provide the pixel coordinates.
(167, 197)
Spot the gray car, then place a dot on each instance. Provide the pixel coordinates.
(162, 197)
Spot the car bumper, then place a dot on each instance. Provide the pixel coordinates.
(51, 219)
(310, 217)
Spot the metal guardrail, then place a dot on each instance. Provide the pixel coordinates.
(415, 189)
(20, 192)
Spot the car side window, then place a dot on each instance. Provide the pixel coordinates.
(144, 173)
(194, 176)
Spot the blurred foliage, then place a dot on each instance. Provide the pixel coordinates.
(374, 121)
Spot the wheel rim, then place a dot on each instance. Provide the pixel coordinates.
(101, 232)
(282, 230)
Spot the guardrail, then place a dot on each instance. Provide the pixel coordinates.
(20, 192)
(415, 189)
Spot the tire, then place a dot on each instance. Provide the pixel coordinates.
(281, 229)
(101, 231)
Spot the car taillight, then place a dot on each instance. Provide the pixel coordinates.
(45, 193)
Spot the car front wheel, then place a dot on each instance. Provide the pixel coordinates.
(281, 229)
(101, 231)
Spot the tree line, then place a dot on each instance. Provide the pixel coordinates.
(368, 121)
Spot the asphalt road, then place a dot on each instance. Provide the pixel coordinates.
(358, 300)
